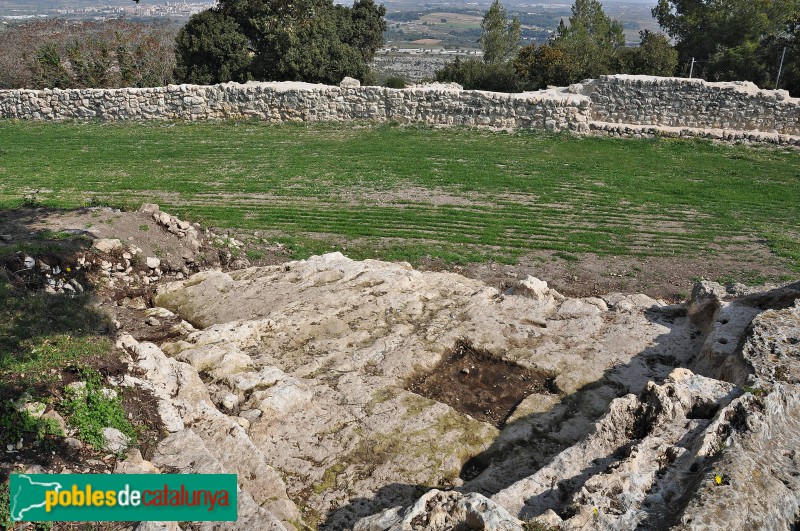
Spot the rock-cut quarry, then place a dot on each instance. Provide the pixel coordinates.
(372, 396)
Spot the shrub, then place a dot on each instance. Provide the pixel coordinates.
(395, 82)
(211, 49)
(68, 54)
(306, 40)
(474, 74)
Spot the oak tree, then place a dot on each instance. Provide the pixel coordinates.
(301, 40)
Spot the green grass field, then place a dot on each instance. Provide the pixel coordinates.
(406, 192)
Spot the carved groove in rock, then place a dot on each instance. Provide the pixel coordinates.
(651, 460)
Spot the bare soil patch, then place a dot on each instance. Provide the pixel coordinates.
(662, 277)
(413, 195)
(481, 385)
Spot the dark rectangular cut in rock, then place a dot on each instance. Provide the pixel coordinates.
(480, 385)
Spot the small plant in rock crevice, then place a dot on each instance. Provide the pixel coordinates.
(759, 396)
(89, 410)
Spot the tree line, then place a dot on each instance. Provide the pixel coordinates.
(322, 42)
(723, 40)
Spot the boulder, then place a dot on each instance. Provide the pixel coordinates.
(114, 440)
(149, 209)
(349, 82)
(536, 287)
(321, 349)
(106, 245)
(186, 452)
(637, 401)
(134, 463)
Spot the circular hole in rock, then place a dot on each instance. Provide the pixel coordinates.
(474, 467)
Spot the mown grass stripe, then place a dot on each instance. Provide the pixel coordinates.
(450, 191)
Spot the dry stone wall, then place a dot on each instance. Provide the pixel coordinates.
(617, 105)
(290, 101)
(680, 102)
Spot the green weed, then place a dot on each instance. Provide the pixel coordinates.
(748, 278)
(48, 234)
(16, 425)
(567, 256)
(89, 411)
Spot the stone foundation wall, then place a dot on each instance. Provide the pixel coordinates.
(673, 106)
